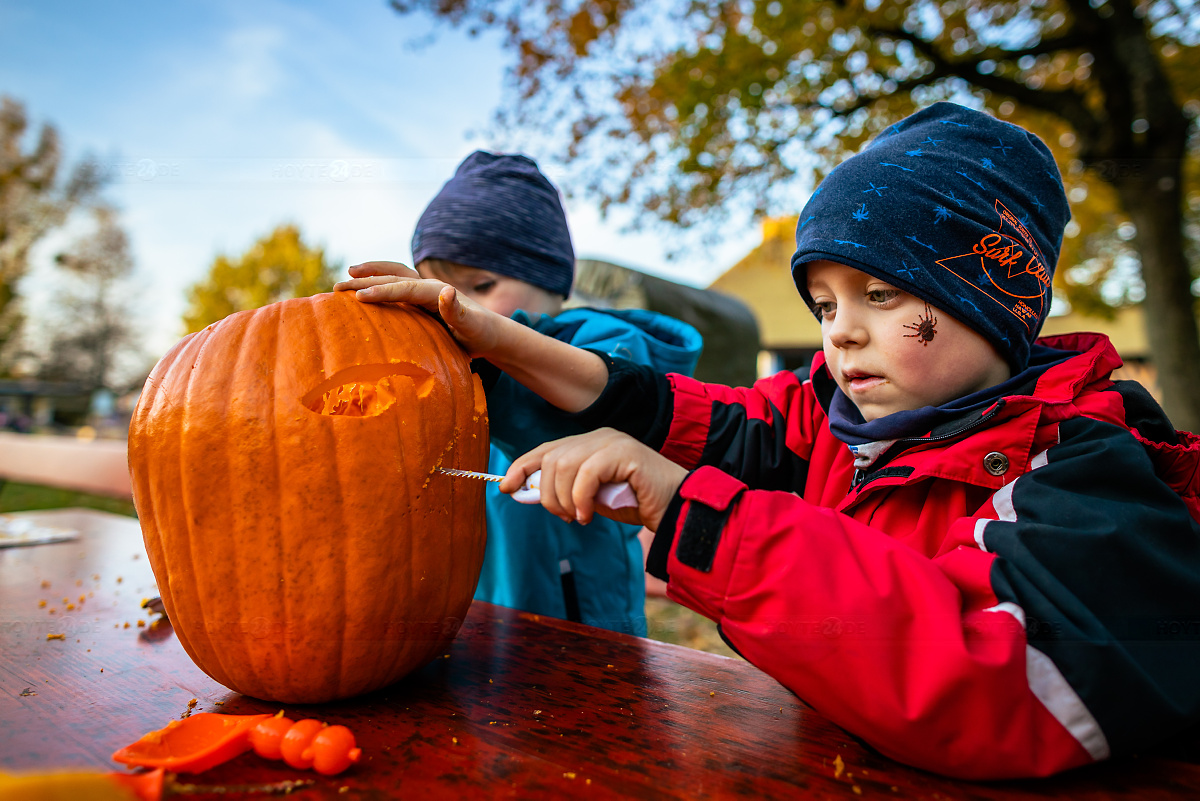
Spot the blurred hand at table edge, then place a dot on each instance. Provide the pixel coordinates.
(69, 785)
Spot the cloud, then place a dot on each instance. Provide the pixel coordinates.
(249, 63)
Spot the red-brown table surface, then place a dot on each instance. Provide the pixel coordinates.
(520, 705)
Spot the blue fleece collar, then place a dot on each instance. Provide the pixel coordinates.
(869, 440)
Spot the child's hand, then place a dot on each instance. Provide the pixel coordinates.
(382, 268)
(475, 328)
(573, 468)
(566, 376)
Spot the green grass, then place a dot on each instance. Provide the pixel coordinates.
(667, 621)
(17, 497)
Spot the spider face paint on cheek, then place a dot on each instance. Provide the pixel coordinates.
(926, 327)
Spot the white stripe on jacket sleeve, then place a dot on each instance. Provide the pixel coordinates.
(1045, 680)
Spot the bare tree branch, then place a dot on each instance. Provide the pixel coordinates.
(1066, 103)
(902, 87)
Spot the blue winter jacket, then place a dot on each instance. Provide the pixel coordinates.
(534, 561)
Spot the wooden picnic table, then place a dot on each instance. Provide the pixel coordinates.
(519, 705)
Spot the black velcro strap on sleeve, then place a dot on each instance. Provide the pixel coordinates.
(664, 538)
(700, 534)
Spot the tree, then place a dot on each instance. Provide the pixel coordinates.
(34, 199)
(719, 104)
(94, 329)
(277, 267)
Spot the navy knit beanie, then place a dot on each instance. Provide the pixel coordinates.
(499, 213)
(954, 206)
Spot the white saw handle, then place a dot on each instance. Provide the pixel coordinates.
(614, 496)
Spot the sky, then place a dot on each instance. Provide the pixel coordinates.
(217, 120)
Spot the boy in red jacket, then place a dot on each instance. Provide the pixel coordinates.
(967, 546)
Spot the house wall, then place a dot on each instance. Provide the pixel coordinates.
(763, 281)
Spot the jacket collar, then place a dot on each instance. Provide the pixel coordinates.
(1063, 382)
(1062, 366)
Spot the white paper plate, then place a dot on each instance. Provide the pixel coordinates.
(16, 531)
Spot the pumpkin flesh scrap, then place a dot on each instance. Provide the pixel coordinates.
(358, 399)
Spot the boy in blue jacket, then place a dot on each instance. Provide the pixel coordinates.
(497, 232)
(964, 544)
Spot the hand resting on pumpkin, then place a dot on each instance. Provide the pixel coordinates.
(568, 377)
(573, 468)
(389, 281)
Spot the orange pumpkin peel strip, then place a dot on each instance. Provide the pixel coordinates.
(204, 740)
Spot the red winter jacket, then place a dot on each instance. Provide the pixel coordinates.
(1012, 595)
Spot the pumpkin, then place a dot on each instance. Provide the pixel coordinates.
(284, 465)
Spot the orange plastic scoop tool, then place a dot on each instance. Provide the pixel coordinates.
(193, 744)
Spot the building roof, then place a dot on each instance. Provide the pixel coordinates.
(728, 326)
(763, 281)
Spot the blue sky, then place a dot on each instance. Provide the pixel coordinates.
(219, 120)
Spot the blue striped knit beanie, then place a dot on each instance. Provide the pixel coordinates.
(954, 206)
(499, 213)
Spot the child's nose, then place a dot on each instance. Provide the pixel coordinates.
(847, 329)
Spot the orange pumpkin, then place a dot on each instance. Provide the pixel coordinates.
(283, 464)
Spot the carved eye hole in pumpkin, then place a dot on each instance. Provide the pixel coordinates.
(366, 390)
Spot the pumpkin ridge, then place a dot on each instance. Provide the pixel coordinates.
(339, 639)
(290, 667)
(444, 601)
(448, 606)
(465, 422)
(406, 527)
(166, 523)
(389, 327)
(157, 514)
(353, 657)
(248, 477)
(200, 637)
(158, 517)
(425, 637)
(460, 442)
(245, 535)
(334, 575)
(150, 513)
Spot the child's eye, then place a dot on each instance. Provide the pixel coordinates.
(882, 296)
(484, 287)
(824, 309)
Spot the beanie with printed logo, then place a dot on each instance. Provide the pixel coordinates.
(954, 206)
(500, 213)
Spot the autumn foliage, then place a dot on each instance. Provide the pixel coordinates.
(277, 267)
